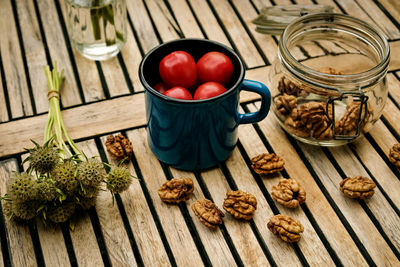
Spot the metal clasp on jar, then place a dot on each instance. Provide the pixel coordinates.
(358, 97)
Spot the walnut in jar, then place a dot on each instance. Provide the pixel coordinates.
(285, 103)
(286, 228)
(209, 214)
(119, 146)
(267, 163)
(176, 190)
(289, 193)
(394, 155)
(357, 187)
(240, 205)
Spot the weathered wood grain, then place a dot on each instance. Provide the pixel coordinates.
(378, 204)
(88, 74)
(83, 121)
(114, 77)
(186, 20)
(239, 231)
(3, 107)
(394, 58)
(141, 221)
(142, 24)
(34, 52)
(165, 23)
(353, 212)
(51, 239)
(18, 235)
(392, 115)
(383, 137)
(393, 7)
(58, 51)
(112, 226)
(11, 60)
(393, 85)
(238, 34)
(132, 57)
(213, 241)
(317, 203)
(170, 216)
(208, 21)
(284, 254)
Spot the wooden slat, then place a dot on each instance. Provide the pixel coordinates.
(112, 226)
(185, 19)
(165, 23)
(88, 74)
(264, 41)
(142, 24)
(238, 34)
(3, 107)
(141, 221)
(82, 121)
(379, 169)
(383, 137)
(240, 232)
(393, 85)
(213, 241)
(208, 21)
(114, 77)
(317, 203)
(392, 115)
(394, 58)
(369, 236)
(380, 207)
(18, 235)
(58, 51)
(393, 7)
(172, 221)
(51, 239)
(310, 245)
(380, 18)
(34, 52)
(132, 57)
(17, 87)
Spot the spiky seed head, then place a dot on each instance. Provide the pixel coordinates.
(118, 179)
(64, 176)
(87, 202)
(24, 210)
(91, 173)
(22, 187)
(7, 208)
(44, 158)
(46, 190)
(61, 213)
(89, 191)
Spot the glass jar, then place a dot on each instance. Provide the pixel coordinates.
(329, 99)
(97, 28)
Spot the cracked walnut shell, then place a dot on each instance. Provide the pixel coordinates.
(119, 146)
(267, 163)
(285, 227)
(358, 187)
(289, 193)
(176, 190)
(240, 205)
(394, 155)
(209, 214)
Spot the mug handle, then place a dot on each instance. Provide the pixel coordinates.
(263, 91)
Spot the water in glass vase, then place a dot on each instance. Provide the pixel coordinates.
(97, 28)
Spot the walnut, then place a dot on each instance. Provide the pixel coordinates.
(311, 114)
(285, 103)
(357, 187)
(394, 155)
(329, 70)
(288, 193)
(119, 146)
(240, 205)
(296, 126)
(209, 214)
(176, 190)
(285, 86)
(285, 227)
(267, 163)
(348, 123)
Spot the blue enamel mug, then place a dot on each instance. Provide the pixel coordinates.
(196, 134)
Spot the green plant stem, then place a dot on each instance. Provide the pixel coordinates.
(55, 125)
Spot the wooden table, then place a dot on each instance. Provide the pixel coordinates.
(100, 98)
